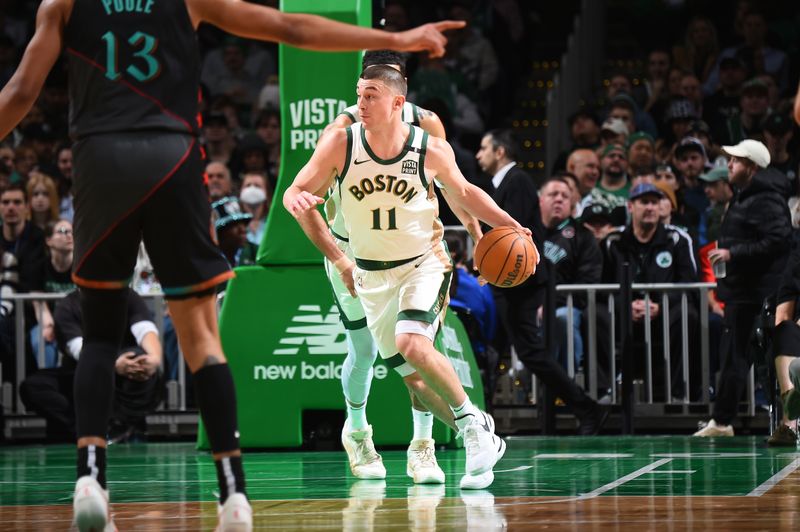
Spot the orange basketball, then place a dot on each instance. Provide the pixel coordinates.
(506, 257)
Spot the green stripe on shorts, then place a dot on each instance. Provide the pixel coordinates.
(428, 316)
(349, 325)
(395, 361)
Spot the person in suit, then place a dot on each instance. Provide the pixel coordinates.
(520, 308)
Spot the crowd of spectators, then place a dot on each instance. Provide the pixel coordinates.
(652, 172)
(645, 180)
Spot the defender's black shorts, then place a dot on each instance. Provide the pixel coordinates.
(143, 185)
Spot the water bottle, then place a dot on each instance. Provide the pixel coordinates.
(720, 267)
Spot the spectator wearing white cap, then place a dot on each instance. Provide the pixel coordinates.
(753, 245)
(613, 131)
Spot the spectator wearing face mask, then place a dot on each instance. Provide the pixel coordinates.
(255, 198)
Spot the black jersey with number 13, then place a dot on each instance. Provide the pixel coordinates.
(133, 65)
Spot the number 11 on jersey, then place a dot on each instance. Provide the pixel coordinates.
(376, 219)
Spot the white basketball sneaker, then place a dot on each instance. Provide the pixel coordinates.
(422, 465)
(477, 482)
(236, 515)
(484, 448)
(90, 507)
(365, 462)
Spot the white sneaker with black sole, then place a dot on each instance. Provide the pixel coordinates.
(484, 448)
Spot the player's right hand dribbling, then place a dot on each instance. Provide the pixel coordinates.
(304, 202)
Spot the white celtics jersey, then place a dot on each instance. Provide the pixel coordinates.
(410, 115)
(389, 206)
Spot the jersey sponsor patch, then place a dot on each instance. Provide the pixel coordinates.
(664, 259)
(568, 232)
(409, 167)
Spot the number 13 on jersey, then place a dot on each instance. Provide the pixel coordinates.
(145, 45)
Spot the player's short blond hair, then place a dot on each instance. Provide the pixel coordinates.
(391, 77)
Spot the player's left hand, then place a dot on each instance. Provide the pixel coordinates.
(304, 202)
(427, 37)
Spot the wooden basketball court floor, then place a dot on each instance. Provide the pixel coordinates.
(555, 483)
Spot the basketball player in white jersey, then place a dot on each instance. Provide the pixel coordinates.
(385, 170)
(357, 370)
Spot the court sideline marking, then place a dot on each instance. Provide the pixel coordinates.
(772, 481)
(627, 478)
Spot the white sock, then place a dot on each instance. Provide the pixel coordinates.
(423, 424)
(464, 413)
(357, 416)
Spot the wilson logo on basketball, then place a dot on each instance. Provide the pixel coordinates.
(511, 276)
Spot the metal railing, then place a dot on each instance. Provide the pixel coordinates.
(579, 71)
(592, 290)
(12, 403)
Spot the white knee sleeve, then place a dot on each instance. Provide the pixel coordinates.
(357, 367)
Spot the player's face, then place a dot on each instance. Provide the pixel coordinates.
(376, 102)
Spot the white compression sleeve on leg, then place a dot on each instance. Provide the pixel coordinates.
(357, 367)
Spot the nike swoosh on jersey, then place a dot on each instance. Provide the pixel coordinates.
(361, 162)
